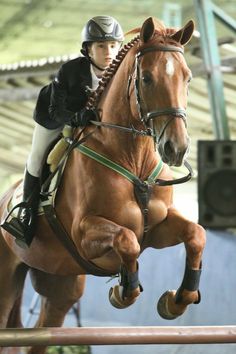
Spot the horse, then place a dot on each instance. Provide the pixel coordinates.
(115, 196)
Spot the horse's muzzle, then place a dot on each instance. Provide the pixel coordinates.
(171, 154)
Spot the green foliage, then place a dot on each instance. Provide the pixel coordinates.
(83, 349)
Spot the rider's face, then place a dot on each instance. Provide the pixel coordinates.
(102, 53)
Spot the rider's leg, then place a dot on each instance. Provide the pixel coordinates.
(31, 190)
(42, 138)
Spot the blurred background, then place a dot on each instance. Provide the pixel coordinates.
(36, 37)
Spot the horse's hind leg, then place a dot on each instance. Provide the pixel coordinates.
(58, 293)
(176, 229)
(12, 277)
(100, 237)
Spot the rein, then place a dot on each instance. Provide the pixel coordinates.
(132, 129)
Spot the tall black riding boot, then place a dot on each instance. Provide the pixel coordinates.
(28, 214)
(22, 226)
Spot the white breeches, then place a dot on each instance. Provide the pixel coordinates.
(42, 138)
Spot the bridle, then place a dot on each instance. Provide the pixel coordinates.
(147, 118)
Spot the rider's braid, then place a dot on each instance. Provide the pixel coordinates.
(108, 74)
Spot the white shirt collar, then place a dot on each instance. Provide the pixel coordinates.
(95, 79)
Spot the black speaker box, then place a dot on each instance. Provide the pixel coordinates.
(217, 183)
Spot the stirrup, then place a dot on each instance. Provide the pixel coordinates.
(15, 227)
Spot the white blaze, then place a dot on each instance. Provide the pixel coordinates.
(170, 69)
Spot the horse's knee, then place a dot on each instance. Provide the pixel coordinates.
(126, 244)
(196, 239)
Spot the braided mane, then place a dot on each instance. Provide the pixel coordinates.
(109, 73)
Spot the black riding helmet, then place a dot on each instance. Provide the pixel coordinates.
(99, 29)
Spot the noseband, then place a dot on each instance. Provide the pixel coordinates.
(169, 111)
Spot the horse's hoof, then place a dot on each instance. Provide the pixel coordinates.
(163, 305)
(116, 299)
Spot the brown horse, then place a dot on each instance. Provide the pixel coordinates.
(115, 196)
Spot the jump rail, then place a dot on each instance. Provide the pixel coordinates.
(117, 335)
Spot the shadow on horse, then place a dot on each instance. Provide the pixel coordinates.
(115, 196)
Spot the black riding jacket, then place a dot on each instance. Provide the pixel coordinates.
(58, 102)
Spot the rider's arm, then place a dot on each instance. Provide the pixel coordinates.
(58, 102)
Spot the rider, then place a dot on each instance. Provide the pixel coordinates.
(58, 103)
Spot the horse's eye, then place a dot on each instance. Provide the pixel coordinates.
(147, 78)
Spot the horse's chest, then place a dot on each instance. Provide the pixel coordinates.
(157, 212)
(121, 205)
(131, 215)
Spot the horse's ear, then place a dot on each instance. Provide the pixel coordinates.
(147, 30)
(184, 35)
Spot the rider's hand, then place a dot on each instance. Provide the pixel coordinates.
(83, 118)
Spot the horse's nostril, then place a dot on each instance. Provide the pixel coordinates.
(168, 148)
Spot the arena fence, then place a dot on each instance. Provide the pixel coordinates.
(117, 335)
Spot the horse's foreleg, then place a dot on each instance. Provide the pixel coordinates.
(173, 230)
(59, 293)
(129, 288)
(100, 238)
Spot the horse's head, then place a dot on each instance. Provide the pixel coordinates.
(161, 86)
